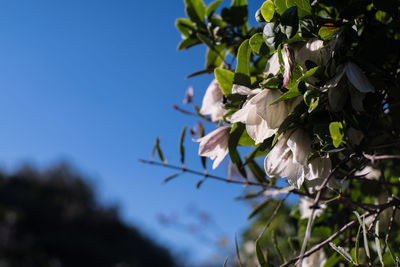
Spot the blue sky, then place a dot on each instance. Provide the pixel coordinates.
(93, 82)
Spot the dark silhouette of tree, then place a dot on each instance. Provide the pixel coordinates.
(52, 218)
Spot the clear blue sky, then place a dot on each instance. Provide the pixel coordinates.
(93, 82)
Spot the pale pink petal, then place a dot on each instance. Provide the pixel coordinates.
(358, 78)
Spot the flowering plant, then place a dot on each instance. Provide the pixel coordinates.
(313, 91)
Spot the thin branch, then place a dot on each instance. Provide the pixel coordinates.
(183, 169)
(186, 112)
(373, 158)
(322, 244)
(314, 206)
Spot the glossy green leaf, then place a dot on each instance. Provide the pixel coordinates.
(225, 80)
(243, 58)
(268, 10)
(258, 45)
(336, 131)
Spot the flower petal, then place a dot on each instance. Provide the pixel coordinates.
(212, 102)
(319, 168)
(300, 144)
(358, 78)
(272, 66)
(275, 114)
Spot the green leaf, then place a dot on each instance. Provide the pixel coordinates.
(362, 223)
(357, 245)
(258, 45)
(226, 261)
(309, 73)
(336, 131)
(311, 99)
(246, 140)
(205, 40)
(259, 208)
(187, 43)
(333, 260)
(225, 80)
(212, 59)
(377, 243)
(212, 7)
(260, 255)
(237, 252)
(326, 33)
(181, 146)
(290, 21)
(243, 58)
(235, 134)
(159, 151)
(268, 10)
(195, 10)
(258, 172)
(185, 26)
(173, 176)
(237, 3)
(342, 252)
(303, 6)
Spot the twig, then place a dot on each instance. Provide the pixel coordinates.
(373, 158)
(390, 227)
(326, 241)
(314, 206)
(176, 107)
(203, 174)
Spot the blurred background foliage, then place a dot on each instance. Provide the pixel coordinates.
(53, 218)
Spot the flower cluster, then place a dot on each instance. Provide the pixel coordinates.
(263, 112)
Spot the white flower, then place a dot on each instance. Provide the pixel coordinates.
(369, 173)
(337, 94)
(213, 102)
(288, 158)
(261, 118)
(314, 50)
(305, 210)
(215, 145)
(317, 259)
(319, 168)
